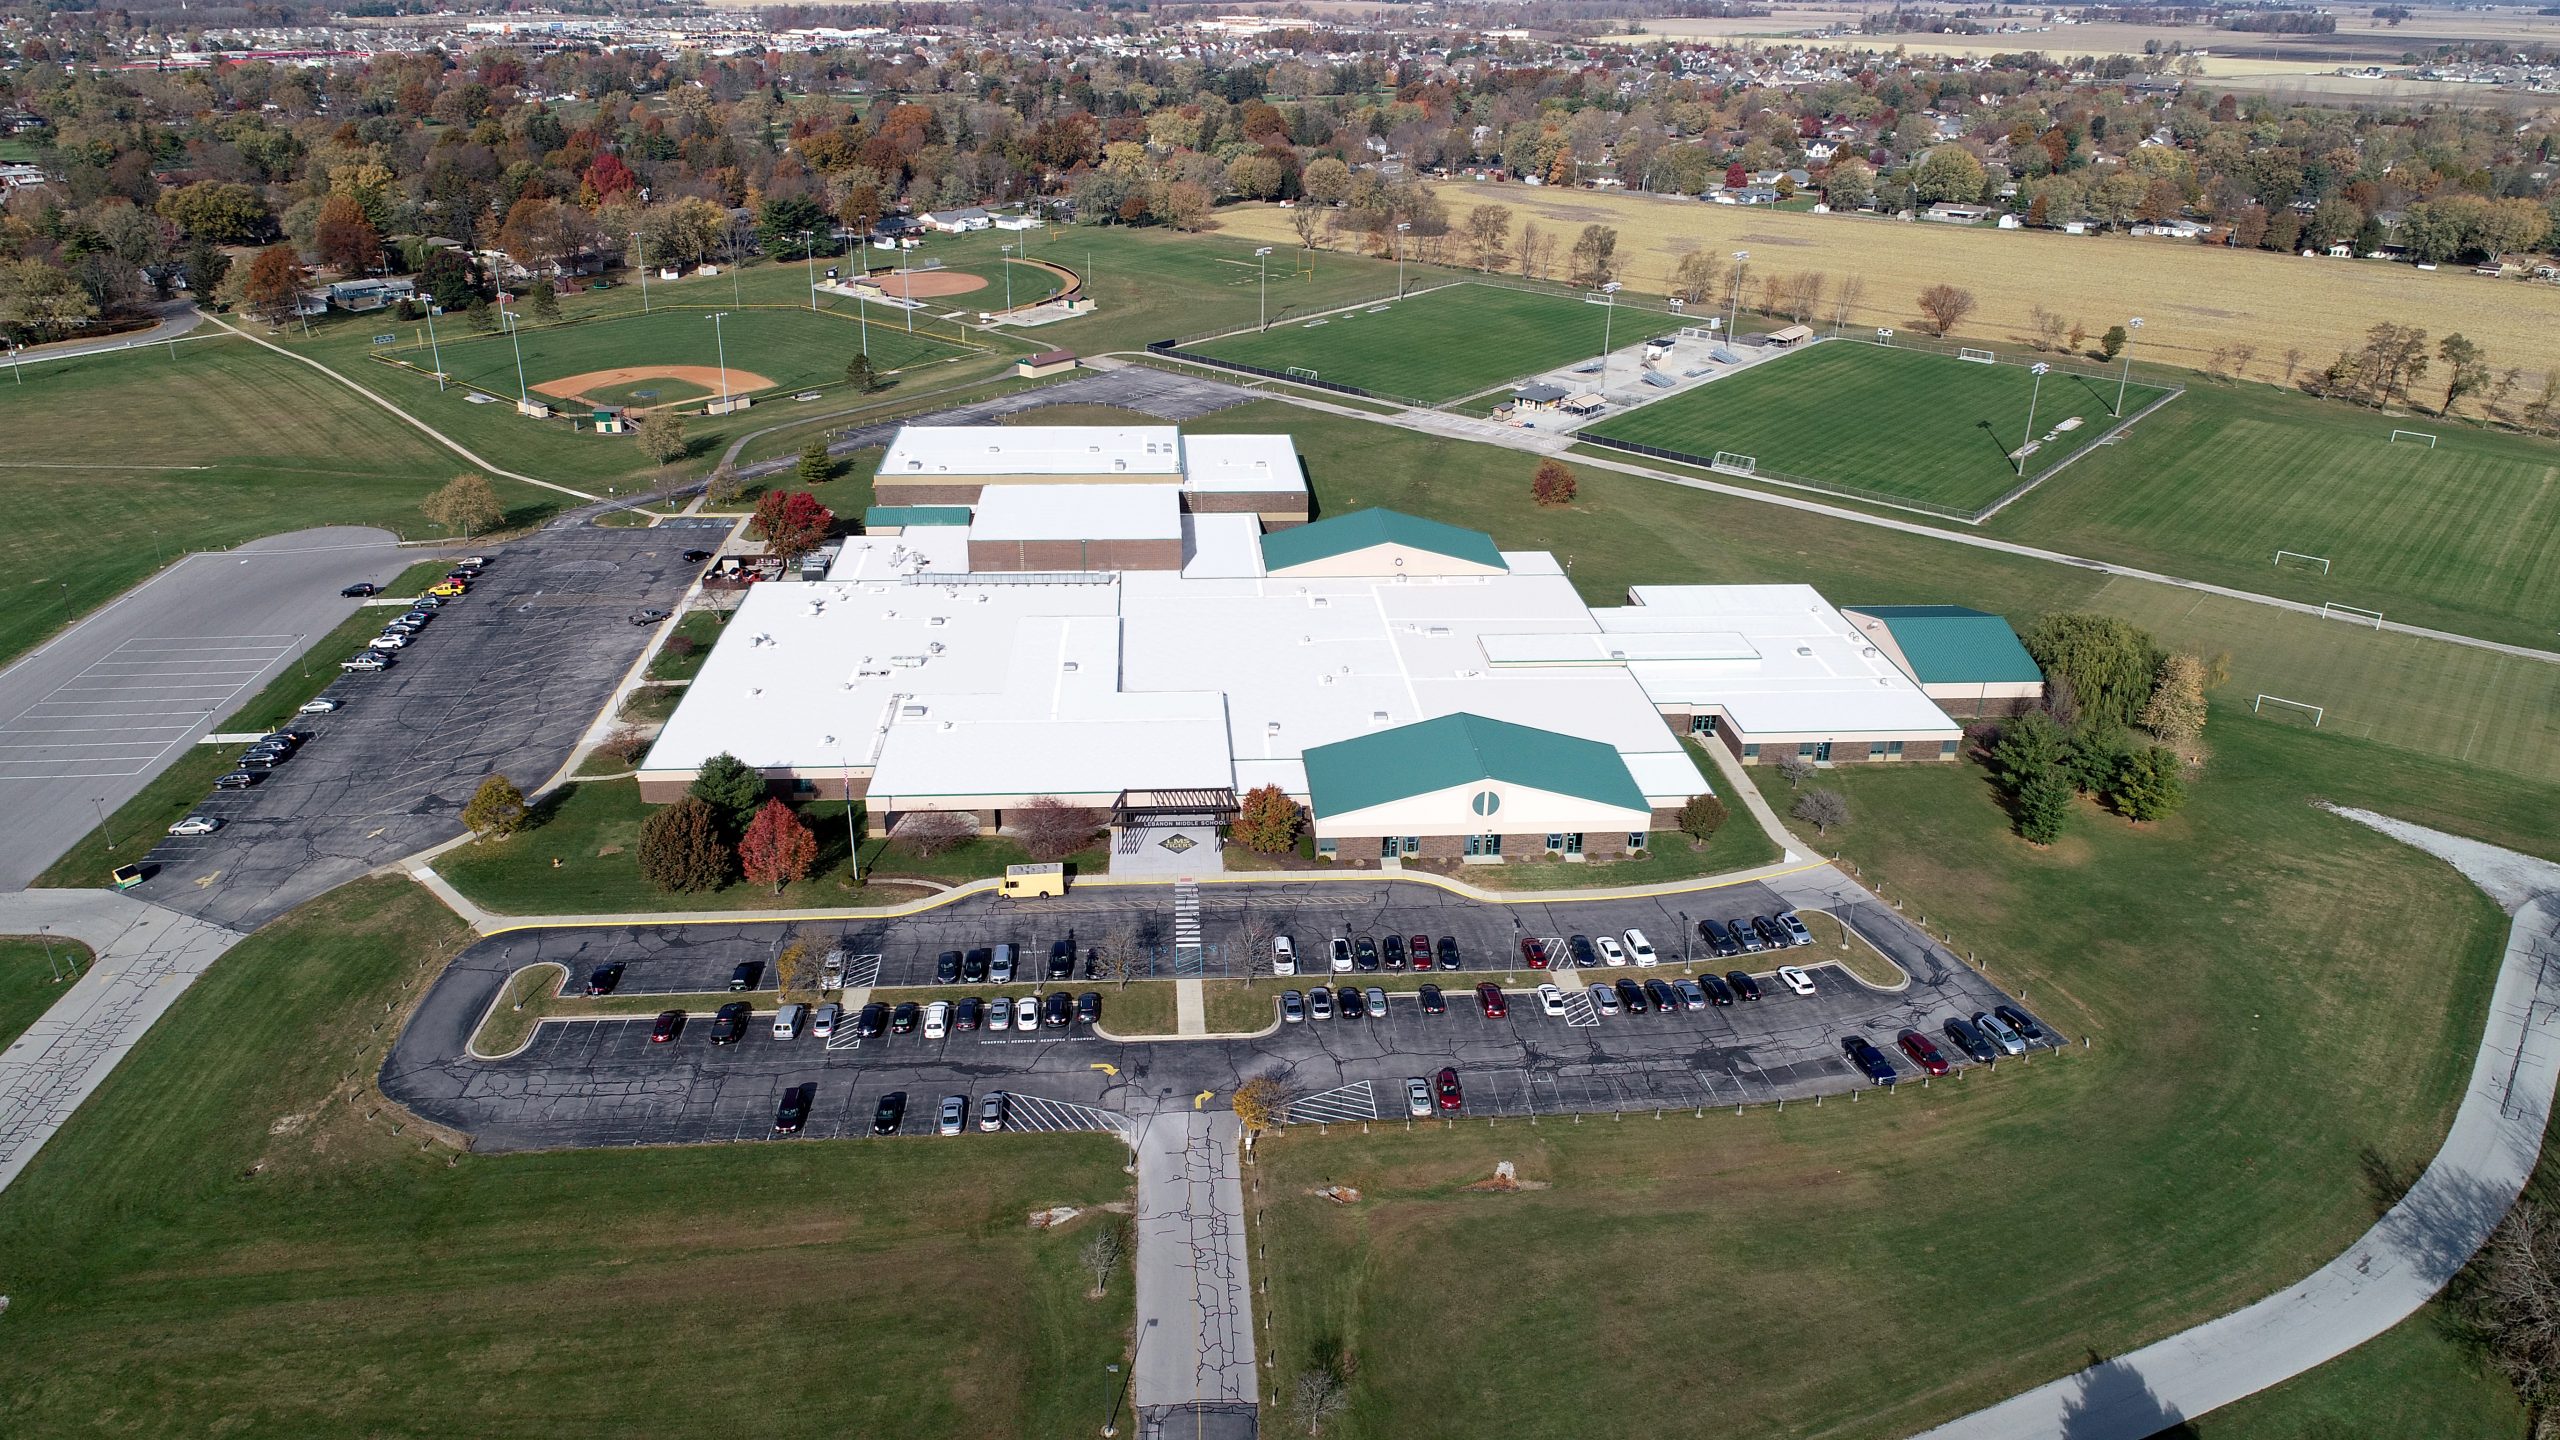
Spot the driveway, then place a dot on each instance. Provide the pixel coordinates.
(87, 720)
(177, 317)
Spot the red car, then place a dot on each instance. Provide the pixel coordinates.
(670, 1024)
(1420, 948)
(1922, 1053)
(1490, 996)
(1533, 952)
(1451, 1097)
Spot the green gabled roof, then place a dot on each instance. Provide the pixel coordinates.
(904, 515)
(1951, 645)
(1361, 529)
(1455, 750)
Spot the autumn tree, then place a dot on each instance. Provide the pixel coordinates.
(791, 523)
(681, 848)
(2176, 710)
(273, 286)
(1051, 829)
(2466, 366)
(495, 811)
(1267, 822)
(1701, 816)
(1821, 809)
(661, 435)
(345, 238)
(1554, 484)
(1944, 307)
(777, 848)
(1595, 256)
(1488, 233)
(468, 502)
(1261, 1105)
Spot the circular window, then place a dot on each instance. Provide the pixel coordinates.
(1486, 802)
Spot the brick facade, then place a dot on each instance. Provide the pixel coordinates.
(1055, 555)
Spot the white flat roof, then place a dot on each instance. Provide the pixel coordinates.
(1800, 667)
(1078, 512)
(1033, 450)
(1222, 547)
(1239, 464)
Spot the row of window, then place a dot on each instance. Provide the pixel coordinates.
(1397, 847)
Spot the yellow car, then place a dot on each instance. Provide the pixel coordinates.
(446, 589)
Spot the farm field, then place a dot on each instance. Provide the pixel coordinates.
(1903, 423)
(238, 1204)
(2199, 1013)
(1432, 347)
(2195, 300)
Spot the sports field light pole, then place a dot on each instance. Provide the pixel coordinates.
(2037, 370)
(809, 252)
(2134, 324)
(1401, 228)
(723, 345)
(433, 348)
(524, 392)
(640, 252)
(1008, 276)
(1263, 255)
(1733, 311)
(1608, 318)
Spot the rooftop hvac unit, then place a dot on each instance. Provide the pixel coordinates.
(1271, 729)
(1069, 667)
(1377, 717)
(911, 712)
(933, 649)
(906, 662)
(1804, 650)
(939, 620)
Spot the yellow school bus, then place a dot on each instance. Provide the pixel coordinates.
(1024, 881)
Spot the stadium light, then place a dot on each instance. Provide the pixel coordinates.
(809, 252)
(1884, 334)
(433, 349)
(2038, 370)
(1264, 256)
(1401, 227)
(1608, 317)
(524, 395)
(640, 254)
(1734, 317)
(1008, 277)
(2134, 324)
(720, 341)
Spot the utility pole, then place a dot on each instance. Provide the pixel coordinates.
(1401, 228)
(1608, 319)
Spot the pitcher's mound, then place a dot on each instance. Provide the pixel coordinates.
(611, 387)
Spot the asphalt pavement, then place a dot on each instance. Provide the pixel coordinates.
(89, 718)
(503, 681)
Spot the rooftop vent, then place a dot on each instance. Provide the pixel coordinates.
(1069, 667)
(1377, 717)
(1271, 729)
(1804, 650)
(1437, 631)
(911, 712)
(939, 620)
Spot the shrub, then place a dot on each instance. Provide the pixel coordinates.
(1051, 829)
(734, 790)
(2149, 784)
(2040, 805)
(1702, 817)
(496, 809)
(625, 745)
(681, 848)
(1555, 483)
(930, 832)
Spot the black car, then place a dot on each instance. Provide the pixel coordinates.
(746, 975)
(648, 617)
(1772, 934)
(1718, 992)
(946, 970)
(1062, 959)
(1364, 955)
(1089, 1007)
(1348, 1001)
(1744, 987)
(873, 1019)
(1579, 947)
(891, 1114)
(1631, 996)
(795, 1109)
(1664, 998)
(1057, 1010)
(670, 1025)
(969, 1014)
(295, 738)
(696, 557)
(1972, 1042)
(903, 1020)
(1870, 1060)
(2024, 1023)
(1449, 959)
(260, 760)
(974, 968)
(1432, 1004)
(730, 1025)
(361, 591)
(1092, 963)
(1719, 939)
(239, 780)
(602, 979)
(1394, 946)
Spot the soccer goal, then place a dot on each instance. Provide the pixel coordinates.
(2331, 610)
(2293, 706)
(2302, 561)
(1978, 357)
(1299, 372)
(1599, 297)
(2413, 437)
(1733, 464)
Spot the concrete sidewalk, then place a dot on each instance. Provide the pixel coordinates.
(1195, 1293)
(2400, 1263)
(147, 957)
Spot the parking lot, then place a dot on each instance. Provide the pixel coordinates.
(604, 1083)
(504, 680)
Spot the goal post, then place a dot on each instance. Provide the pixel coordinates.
(2413, 437)
(1979, 357)
(2332, 610)
(2317, 713)
(1300, 372)
(1734, 464)
(2302, 560)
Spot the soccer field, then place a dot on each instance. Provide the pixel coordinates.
(1439, 345)
(1895, 422)
(767, 349)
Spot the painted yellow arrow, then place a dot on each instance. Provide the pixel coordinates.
(1201, 1100)
(1105, 1068)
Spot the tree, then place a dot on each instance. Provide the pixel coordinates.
(816, 466)
(274, 286)
(344, 238)
(930, 832)
(1051, 829)
(733, 789)
(1327, 181)
(777, 849)
(2028, 746)
(724, 487)
(1318, 1397)
(1262, 1105)
(1488, 232)
(2040, 806)
(39, 302)
(864, 378)
(1267, 822)
(2049, 327)
(2150, 784)
(543, 302)
(791, 523)
(218, 213)
(2112, 666)
(1701, 816)
(662, 435)
(1595, 256)
(792, 226)
(466, 503)
(1797, 769)
(2176, 711)
(2468, 365)
(1948, 172)
(1945, 307)
(2091, 758)
(2111, 344)
(1821, 809)
(1102, 1253)
(495, 811)
(2508, 1301)
(1554, 485)
(681, 850)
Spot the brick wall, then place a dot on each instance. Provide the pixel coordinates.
(1052, 555)
(921, 492)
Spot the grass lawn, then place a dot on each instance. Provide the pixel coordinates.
(1435, 346)
(236, 1216)
(28, 964)
(1896, 422)
(2488, 710)
(683, 654)
(2412, 1379)
(2200, 1162)
(1737, 845)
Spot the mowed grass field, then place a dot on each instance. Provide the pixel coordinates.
(236, 1236)
(1435, 346)
(785, 349)
(1898, 422)
(2282, 1006)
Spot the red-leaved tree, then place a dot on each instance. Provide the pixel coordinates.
(777, 849)
(1554, 484)
(792, 523)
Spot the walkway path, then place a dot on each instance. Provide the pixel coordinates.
(2405, 1258)
(1195, 1291)
(147, 957)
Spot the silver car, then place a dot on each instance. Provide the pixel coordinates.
(1293, 1007)
(1377, 999)
(955, 1115)
(1417, 1097)
(1997, 1031)
(823, 1025)
(1320, 1003)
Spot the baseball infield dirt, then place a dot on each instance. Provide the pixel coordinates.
(587, 388)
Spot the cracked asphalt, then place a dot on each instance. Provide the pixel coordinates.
(503, 681)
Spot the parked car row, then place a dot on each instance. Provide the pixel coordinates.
(1985, 1039)
(1441, 1092)
(247, 773)
(1353, 1003)
(887, 1117)
(397, 635)
(936, 1019)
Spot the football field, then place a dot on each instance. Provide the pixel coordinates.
(1898, 423)
(1439, 345)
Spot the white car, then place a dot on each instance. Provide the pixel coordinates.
(1641, 948)
(197, 825)
(1417, 1096)
(1026, 1014)
(1611, 952)
(321, 706)
(390, 640)
(937, 1019)
(1551, 999)
(368, 661)
(1284, 956)
(1341, 956)
(1795, 979)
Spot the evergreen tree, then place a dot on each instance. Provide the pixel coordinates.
(733, 789)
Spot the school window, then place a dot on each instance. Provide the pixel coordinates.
(1750, 752)
(1946, 747)
(804, 787)
(1555, 842)
(1893, 749)
(1635, 839)
(1325, 848)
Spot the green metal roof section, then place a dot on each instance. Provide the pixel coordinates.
(1362, 529)
(1454, 750)
(1951, 645)
(904, 515)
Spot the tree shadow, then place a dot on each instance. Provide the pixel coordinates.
(2115, 1403)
